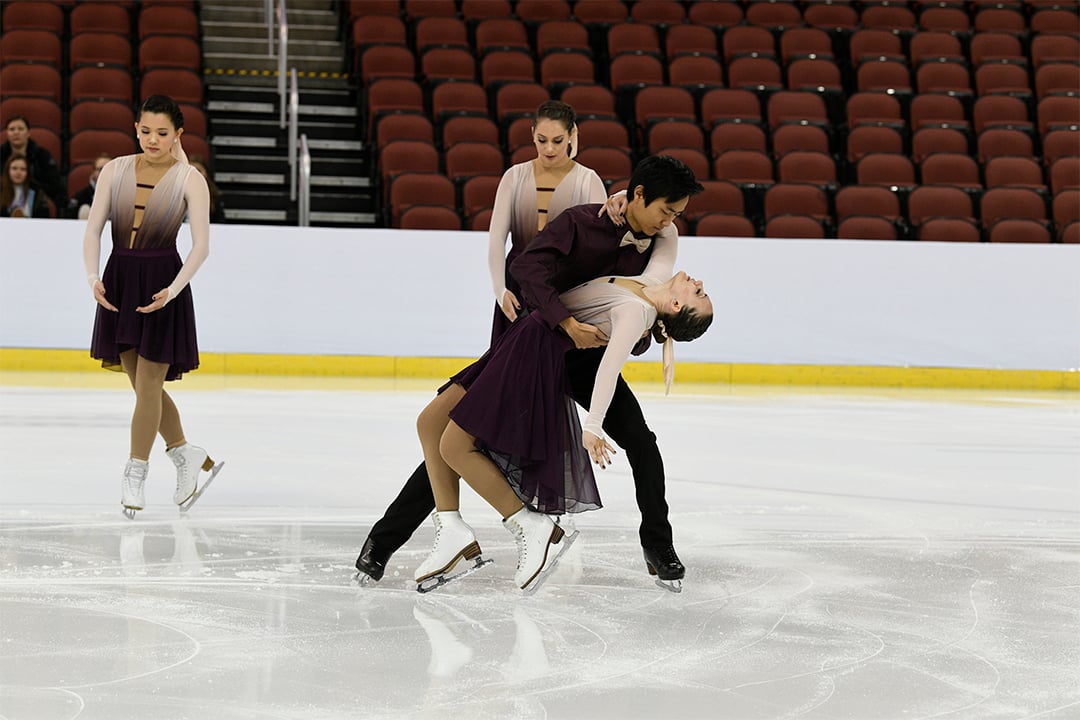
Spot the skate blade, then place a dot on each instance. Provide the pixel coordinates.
(542, 576)
(364, 580)
(186, 505)
(674, 586)
(441, 580)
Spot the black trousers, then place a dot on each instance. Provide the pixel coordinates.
(624, 423)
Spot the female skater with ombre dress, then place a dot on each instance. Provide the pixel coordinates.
(145, 323)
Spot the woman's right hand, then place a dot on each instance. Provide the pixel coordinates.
(614, 208)
(600, 450)
(99, 295)
(510, 305)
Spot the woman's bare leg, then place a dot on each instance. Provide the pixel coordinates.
(148, 379)
(430, 424)
(458, 449)
(170, 428)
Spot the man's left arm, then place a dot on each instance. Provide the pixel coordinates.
(660, 269)
(662, 260)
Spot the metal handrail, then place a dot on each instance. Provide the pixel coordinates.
(294, 129)
(305, 183)
(269, 28)
(283, 56)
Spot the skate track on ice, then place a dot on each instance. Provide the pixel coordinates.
(851, 554)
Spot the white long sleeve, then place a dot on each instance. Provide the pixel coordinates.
(629, 321)
(498, 231)
(95, 223)
(197, 195)
(662, 261)
(624, 317)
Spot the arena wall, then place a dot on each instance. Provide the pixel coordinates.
(349, 298)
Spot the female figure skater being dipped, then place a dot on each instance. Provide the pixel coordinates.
(145, 321)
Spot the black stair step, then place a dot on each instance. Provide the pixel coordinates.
(249, 127)
(261, 199)
(262, 127)
(251, 164)
(332, 202)
(262, 112)
(346, 166)
(308, 96)
(246, 216)
(278, 163)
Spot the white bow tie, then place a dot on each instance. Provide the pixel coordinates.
(642, 244)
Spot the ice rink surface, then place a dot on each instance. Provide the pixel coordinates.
(851, 554)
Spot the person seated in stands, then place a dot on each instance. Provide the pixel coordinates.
(19, 196)
(41, 163)
(79, 204)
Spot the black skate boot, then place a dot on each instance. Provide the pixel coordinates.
(371, 564)
(664, 563)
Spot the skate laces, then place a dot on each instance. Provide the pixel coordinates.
(180, 460)
(134, 475)
(667, 555)
(522, 545)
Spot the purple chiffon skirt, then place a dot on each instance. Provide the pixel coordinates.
(167, 336)
(518, 409)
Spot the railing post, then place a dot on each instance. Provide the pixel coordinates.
(270, 28)
(294, 129)
(305, 183)
(283, 55)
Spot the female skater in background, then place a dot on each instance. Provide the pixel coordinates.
(532, 193)
(145, 321)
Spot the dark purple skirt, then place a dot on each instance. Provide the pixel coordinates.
(131, 278)
(517, 407)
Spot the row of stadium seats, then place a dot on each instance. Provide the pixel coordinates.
(897, 96)
(75, 71)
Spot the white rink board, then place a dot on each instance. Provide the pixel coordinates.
(426, 294)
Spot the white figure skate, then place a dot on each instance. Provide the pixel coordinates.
(132, 496)
(454, 542)
(537, 536)
(189, 460)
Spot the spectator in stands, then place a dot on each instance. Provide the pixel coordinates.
(79, 204)
(217, 205)
(19, 196)
(41, 162)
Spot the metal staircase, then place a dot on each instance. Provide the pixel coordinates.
(250, 147)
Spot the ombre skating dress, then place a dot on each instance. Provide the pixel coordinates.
(516, 213)
(518, 406)
(140, 266)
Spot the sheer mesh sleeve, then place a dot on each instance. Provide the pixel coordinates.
(498, 231)
(662, 261)
(629, 321)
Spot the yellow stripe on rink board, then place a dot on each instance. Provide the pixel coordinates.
(858, 376)
(15, 360)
